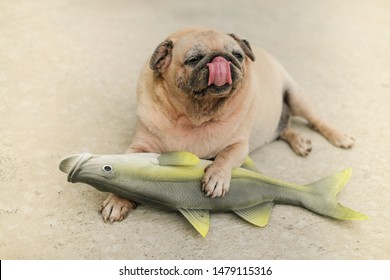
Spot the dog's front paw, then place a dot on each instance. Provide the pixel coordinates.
(216, 181)
(115, 208)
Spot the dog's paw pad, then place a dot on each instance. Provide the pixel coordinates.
(343, 141)
(301, 146)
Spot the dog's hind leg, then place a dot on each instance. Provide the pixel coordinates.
(298, 105)
(298, 143)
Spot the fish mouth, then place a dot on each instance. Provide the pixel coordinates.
(71, 164)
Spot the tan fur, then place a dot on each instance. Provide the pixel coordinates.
(224, 126)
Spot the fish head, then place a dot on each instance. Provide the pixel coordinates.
(101, 171)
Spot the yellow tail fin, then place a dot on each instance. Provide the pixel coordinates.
(322, 198)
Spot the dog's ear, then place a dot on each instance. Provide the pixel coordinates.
(162, 57)
(245, 46)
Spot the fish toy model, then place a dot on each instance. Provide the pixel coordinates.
(173, 181)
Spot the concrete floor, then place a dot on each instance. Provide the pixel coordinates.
(68, 71)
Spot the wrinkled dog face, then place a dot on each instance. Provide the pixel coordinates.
(205, 64)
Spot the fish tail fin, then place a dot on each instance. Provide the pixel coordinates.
(323, 199)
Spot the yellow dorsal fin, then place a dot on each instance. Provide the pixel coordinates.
(178, 159)
(258, 214)
(199, 219)
(249, 165)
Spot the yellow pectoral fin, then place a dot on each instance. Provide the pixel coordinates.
(178, 159)
(199, 219)
(258, 214)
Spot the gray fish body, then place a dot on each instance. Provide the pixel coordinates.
(174, 195)
(173, 192)
(173, 182)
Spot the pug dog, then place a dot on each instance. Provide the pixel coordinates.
(212, 94)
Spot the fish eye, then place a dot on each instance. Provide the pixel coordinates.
(107, 168)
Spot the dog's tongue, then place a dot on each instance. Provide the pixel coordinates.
(219, 72)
